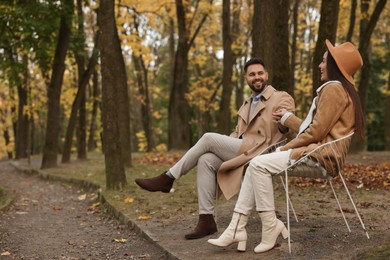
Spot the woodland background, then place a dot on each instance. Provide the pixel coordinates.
(151, 76)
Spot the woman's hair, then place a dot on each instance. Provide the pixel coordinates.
(334, 73)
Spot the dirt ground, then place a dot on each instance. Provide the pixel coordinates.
(61, 226)
(51, 220)
(320, 233)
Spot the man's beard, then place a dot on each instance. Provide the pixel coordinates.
(258, 89)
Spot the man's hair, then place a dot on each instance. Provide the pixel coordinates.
(253, 61)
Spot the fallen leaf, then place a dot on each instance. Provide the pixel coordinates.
(57, 207)
(82, 197)
(21, 212)
(144, 217)
(129, 200)
(94, 206)
(6, 253)
(120, 240)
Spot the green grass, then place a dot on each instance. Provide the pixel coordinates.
(5, 198)
(181, 200)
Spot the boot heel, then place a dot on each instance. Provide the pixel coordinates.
(241, 246)
(285, 233)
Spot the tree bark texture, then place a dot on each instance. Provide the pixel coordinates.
(225, 117)
(143, 89)
(84, 76)
(95, 106)
(22, 138)
(386, 115)
(50, 149)
(113, 73)
(327, 30)
(294, 46)
(270, 40)
(178, 115)
(352, 19)
(367, 26)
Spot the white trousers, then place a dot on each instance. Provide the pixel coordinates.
(257, 188)
(207, 154)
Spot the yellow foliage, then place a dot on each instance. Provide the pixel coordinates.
(156, 114)
(371, 116)
(142, 142)
(161, 148)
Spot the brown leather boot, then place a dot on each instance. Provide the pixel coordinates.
(206, 226)
(159, 183)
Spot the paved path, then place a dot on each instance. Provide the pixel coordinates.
(51, 220)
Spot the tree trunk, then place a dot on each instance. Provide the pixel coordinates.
(178, 125)
(225, 117)
(178, 110)
(50, 149)
(270, 32)
(352, 19)
(367, 26)
(327, 30)
(386, 115)
(113, 74)
(294, 46)
(143, 90)
(22, 124)
(240, 87)
(92, 126)
(84, 77)
(6, 134)
(257, 33)
(82, 130)
(82, 118)
(281, 61)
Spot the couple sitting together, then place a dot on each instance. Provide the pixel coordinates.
(264, 119)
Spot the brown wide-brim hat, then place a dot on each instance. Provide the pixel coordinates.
(347, 58)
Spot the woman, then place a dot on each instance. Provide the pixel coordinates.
(335, 112)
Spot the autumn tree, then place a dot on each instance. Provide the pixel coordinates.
(270, 40)
(113, 82)
(26, 40)
(50, 150)
(327, 30)
(386, 115)
(367, 26)
(225, 118)
(294, 36)
(178, 117)
(84, 74)
(92, 143)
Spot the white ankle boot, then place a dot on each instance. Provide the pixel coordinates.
(272, 227)
(235, 232)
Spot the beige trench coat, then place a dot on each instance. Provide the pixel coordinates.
(258, 132)
(333, 118)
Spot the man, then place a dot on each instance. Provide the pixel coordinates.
(220, 159)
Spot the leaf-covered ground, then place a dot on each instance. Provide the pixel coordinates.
(166, 217)
(369, 175)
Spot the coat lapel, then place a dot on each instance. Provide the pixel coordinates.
(261, 105)
(244, 111)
